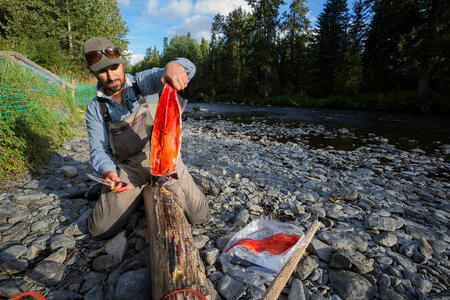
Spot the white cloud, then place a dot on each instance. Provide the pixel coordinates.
(198, 26)
(194, 16)
(124, 2)
(151, 6)
(224, 7)
(174, 9)
(133, 58)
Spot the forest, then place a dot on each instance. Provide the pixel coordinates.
(378, 54)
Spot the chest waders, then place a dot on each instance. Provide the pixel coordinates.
(130, 143)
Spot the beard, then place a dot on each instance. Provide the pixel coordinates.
(115, 88)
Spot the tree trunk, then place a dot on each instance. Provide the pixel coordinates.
(423, 87)
(69, 30)
(175, 261)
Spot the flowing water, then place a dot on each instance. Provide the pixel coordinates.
(405, 131)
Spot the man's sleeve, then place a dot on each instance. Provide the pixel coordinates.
(149, 81)
(100, 152)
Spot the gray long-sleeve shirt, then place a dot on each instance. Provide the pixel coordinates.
(150, 86)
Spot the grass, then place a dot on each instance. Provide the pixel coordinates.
(29, 134)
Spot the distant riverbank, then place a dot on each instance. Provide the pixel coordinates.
(402, 101)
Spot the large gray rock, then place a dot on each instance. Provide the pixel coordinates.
(117, 245)
(69, 171)
(96, 293)
(13, 287)
(14, 266)
(105, 263)
(389, 294)
(134, 285)
(374, 222)
(296, 292)
(62, 240)
(351, 286)
(350, 259)
(386, 239)
(13, 252)
(48, 273)
(320, 249)
(230, 288)
(63, 295)
(344, 240)
(402, 260)
(305, 267)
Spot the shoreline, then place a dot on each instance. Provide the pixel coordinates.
(385, 213)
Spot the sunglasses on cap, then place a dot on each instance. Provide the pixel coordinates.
(96, 55)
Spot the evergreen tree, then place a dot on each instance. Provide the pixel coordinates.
(294, 28)
(263, 55)
(236, 46)
(329, 49)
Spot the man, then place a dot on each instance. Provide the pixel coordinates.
(119, 122)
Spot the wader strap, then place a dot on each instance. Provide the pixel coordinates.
(104, 111)
(137, 92)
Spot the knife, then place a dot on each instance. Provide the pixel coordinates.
(110, 183)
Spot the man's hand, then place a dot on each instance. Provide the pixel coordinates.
(175, 75)
(112, 176)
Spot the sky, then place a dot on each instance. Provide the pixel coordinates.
(149, 21)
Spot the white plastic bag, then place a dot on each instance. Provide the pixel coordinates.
(254, 267)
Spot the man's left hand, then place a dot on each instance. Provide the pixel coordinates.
(175, 75)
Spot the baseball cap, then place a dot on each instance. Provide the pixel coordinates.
(100, 44)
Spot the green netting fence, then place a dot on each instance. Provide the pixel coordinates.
(14, 97)
(84, 92)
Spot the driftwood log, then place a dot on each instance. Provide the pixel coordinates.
(175, 261)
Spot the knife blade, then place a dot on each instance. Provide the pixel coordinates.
(110, 183)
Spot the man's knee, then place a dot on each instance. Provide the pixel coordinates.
(199, 218)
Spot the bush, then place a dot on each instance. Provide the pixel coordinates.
(30, 133)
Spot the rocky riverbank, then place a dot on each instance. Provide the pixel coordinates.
(385, 215)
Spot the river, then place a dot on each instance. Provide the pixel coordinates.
(404, 131)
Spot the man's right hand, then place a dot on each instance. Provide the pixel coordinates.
(112, 176)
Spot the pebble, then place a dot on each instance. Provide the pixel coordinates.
(384, 211)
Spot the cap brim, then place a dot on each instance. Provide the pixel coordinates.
(105, 63)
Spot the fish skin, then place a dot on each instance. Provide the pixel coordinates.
(166, 135)
(275, 244)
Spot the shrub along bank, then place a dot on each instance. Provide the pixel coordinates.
(36, 117)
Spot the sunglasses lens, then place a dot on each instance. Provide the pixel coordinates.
(112, 52)
(94, 56)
